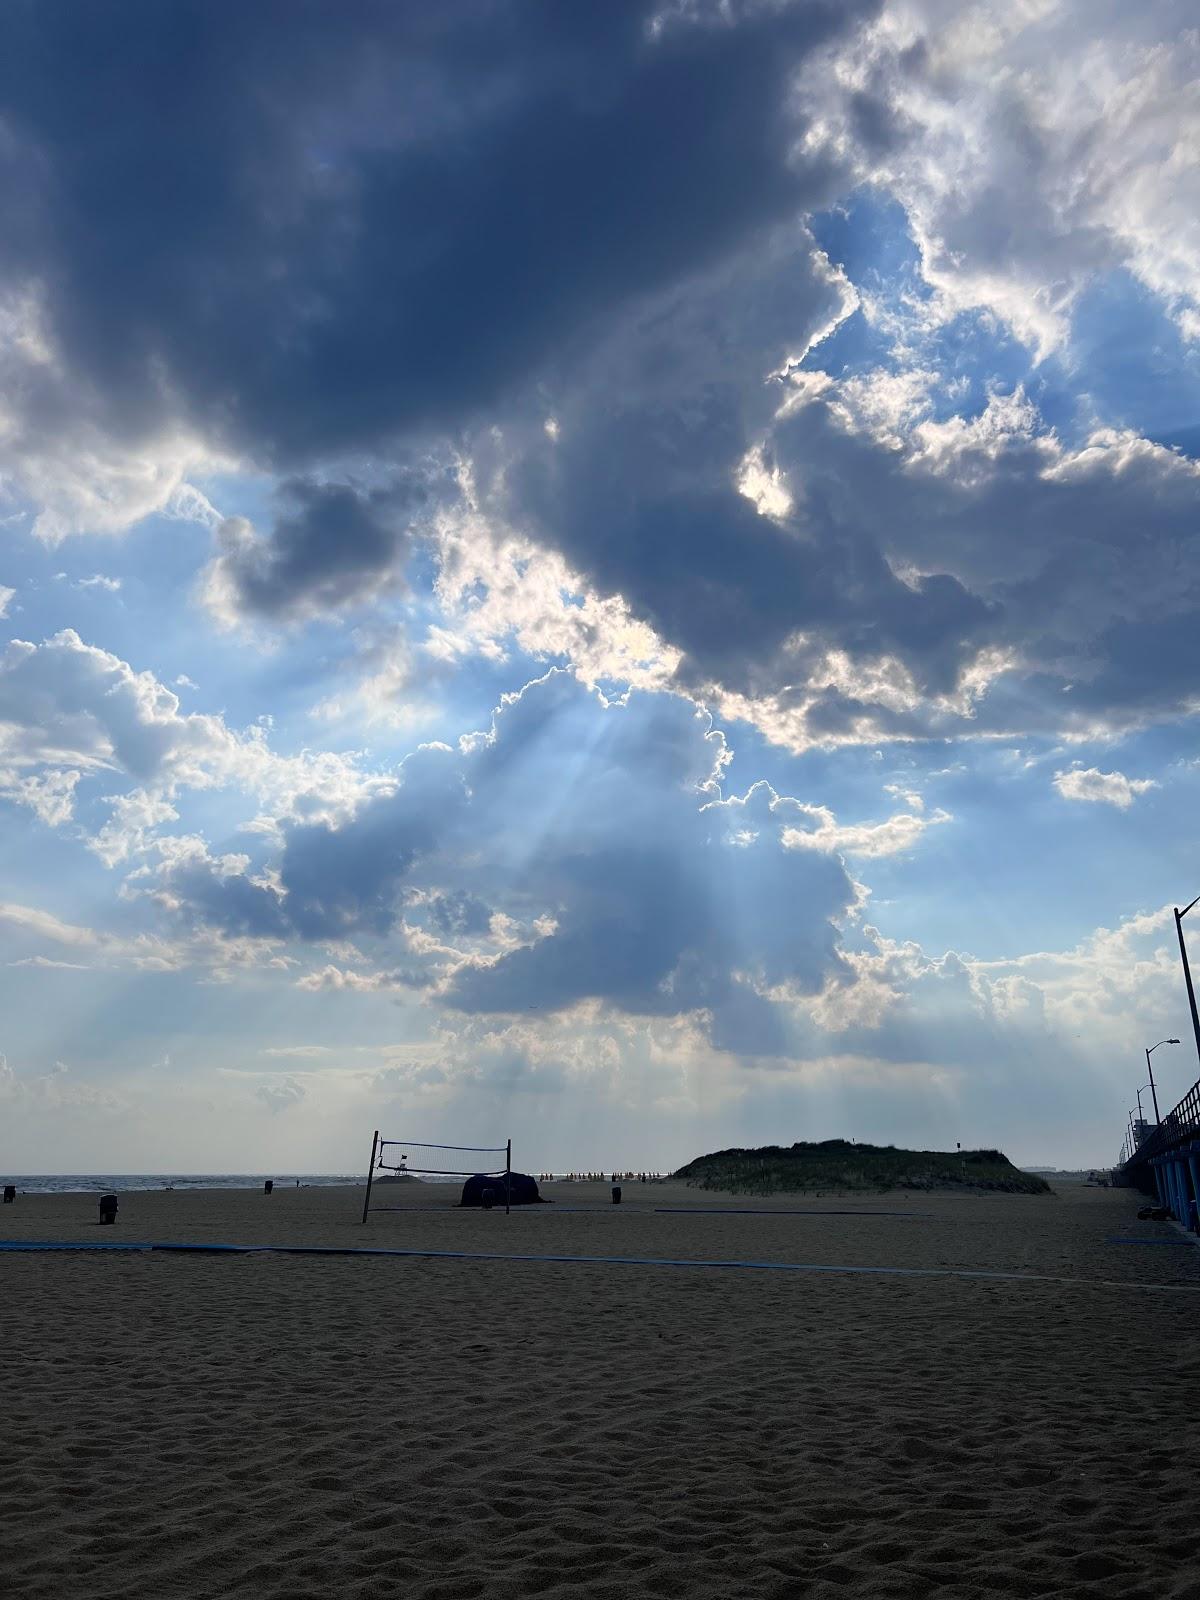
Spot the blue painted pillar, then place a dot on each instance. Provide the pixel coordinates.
(1194, 1168)
(1180, 1206)
(1159, 1184)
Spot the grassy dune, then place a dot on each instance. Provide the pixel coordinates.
(836, 1164)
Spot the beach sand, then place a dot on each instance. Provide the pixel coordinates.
(301, 1426)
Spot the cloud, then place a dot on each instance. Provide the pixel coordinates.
(897, 834)
(331, 548)
(803, 826)
(68, 703)
(44, 926)
(214, 955)
(6, 596)
(50, 963)
(1032, 147)
(834, 559)
(1107, 788)
(57, 1090)
(309, 315)
(504, 881)
(928, 577)
(1013, 549)
(499, 591)
(72, 713)
(908, 572)
(99, 581)
(279, 1097)
(311, 1051)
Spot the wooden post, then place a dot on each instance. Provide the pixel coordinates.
(508, 1178)
(370, 1174)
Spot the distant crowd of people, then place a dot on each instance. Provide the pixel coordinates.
(601, 1177)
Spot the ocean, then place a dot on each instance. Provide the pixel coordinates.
(125, 1182)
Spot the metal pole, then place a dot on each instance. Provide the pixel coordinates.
(1153, 1090)
(370, 1175)
(1187, 973)
(508, 1178)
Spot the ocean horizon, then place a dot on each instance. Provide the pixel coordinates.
(129, 1182)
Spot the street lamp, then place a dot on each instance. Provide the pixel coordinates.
(1153, 1047)
(1187, 971)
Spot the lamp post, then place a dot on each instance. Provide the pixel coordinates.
(1153, 1047)
(1187, 971)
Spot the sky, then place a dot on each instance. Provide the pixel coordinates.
(611, 575)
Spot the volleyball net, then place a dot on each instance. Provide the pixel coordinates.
(402, 1167)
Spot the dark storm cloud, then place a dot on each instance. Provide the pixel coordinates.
(302, 227)
(731, 587)
(331, 547)
(908, 547)
(637, 485)
(1070, 552)
(211, 895)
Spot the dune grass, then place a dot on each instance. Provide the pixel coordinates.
(836, 1165)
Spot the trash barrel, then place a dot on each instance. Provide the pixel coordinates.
(268, 1186)
(108, 1208)
(487, 1199)
(10, 1193)
(616, 1194)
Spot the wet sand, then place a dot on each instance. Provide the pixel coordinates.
(301, 1426)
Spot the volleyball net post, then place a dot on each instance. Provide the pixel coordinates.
(370, 1174)
(380, 1163)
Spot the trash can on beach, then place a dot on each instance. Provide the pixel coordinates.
(108, 1207)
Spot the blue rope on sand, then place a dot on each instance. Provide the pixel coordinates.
(771, 1211)
(593, 1261)
(1192, 1242)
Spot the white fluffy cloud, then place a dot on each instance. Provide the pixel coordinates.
(498, 592)
(1104, 788)
(1032, 145)
(802, 826)
(71, 712)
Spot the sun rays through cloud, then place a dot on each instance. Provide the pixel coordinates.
(626, 573)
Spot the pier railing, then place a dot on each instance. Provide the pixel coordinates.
(1180, 1126)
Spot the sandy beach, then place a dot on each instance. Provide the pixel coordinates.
(307, 1426)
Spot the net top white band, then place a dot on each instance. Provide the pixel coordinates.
(472, 1149)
